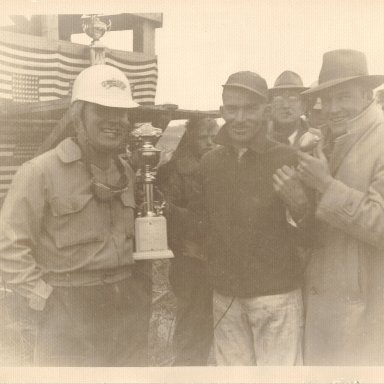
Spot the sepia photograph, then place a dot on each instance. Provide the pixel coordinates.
(192, 192)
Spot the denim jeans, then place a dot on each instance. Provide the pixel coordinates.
(263, 330)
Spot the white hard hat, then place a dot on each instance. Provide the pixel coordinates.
(105, 85)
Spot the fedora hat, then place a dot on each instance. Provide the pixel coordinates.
(288, 80)
(249, 81)
(341, 66)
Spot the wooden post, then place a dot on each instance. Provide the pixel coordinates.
(144, 37)
(50, 26)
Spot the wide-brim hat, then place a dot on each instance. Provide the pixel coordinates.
(342, 66)
(249, 81)
(288, 80)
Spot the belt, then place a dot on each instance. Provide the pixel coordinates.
(83, 278)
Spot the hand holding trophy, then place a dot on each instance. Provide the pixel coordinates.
(150, 225)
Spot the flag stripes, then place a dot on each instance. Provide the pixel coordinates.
(16, 148)
(44, 75)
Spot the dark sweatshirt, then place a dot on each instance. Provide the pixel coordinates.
(242, 223)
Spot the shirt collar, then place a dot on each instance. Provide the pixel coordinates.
(68, 151)
(222, 138)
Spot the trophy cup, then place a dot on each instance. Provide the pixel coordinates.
(150, 225)
(95, 29)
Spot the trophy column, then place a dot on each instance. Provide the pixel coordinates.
(150, 226)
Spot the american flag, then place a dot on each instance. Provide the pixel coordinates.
(33, 69)
(29, 74)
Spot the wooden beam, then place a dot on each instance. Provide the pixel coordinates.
(70, 24)
(50, 26)
(155, 18)
(144, 37)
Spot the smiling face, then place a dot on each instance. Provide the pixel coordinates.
(286, 107)
(104, 128)
(343, 103)
(243, 112)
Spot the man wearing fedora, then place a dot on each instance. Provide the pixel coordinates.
(251, 249)
(344, 283)
(287, 107)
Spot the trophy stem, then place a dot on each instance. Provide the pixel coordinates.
(148, 190)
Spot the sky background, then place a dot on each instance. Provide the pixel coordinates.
(202, 42)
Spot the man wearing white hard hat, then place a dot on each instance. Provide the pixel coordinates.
(66, 238)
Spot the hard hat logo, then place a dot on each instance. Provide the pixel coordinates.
(113, 83)
(104, 85)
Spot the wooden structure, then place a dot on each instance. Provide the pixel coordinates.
(29, 128)
(61, 27)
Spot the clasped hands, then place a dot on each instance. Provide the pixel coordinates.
(312, 172)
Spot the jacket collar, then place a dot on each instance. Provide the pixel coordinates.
(68, 151)
(356, 129)
(282, 137)
(222, 138)
(370, 115)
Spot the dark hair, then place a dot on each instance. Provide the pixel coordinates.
(64, 128)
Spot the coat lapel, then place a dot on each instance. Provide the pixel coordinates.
(357, 129)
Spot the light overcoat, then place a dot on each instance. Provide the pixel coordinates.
(345, 276)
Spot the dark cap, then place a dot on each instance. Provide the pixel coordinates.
(249, 81)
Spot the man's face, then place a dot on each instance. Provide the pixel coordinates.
(243, 113)
(286, 107)
(344, 102)
(106, 128)
(207, 130)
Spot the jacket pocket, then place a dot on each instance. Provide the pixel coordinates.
(74, 220)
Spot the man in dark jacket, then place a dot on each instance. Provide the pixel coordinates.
(253, 265)
(193, 334)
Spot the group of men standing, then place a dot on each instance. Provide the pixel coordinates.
(279, 253)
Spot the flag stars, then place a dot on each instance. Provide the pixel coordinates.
(25, 88)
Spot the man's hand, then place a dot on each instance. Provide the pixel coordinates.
(288, 186)
(314, 170)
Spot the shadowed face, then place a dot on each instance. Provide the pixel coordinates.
(105, 128)
(286, 107)
(243, 112)
(207, 130)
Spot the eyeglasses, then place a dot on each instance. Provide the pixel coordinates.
(248, 109)
(290, 100)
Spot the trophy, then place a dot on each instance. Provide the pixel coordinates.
(95, 29)
(150, 225)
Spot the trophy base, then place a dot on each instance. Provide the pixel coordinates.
(153, 255)
(151, 238)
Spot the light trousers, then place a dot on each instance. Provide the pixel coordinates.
(263, 330)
